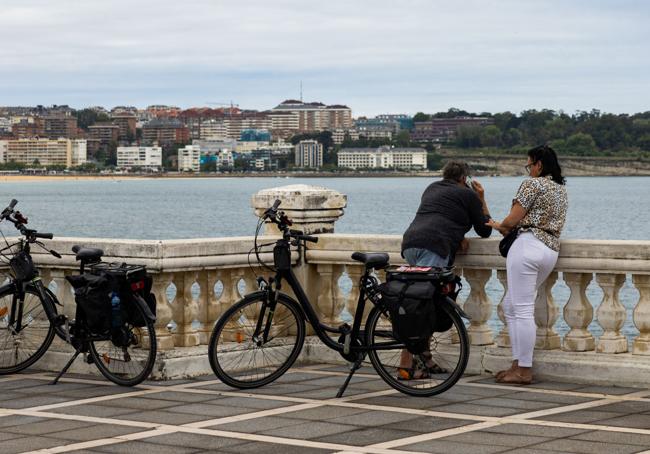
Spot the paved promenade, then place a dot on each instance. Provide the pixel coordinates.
(299, 414)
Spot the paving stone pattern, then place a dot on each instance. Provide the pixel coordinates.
(299, 414)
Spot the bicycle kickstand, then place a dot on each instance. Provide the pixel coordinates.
(353, 368)
(66, 367)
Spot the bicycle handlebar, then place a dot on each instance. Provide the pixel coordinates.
(46, 236)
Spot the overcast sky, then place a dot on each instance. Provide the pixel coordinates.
(376, 56)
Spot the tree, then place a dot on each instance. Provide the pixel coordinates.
(420, 116)
(434, 161)
(512, 137)
(581, 144)
(490, 136)
(88, 117)
(468, 137)
(402, 139)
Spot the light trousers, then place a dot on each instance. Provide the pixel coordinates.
(528, 264)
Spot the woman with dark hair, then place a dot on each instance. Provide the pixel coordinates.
(538, 212)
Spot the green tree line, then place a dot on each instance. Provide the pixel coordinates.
(582, 133)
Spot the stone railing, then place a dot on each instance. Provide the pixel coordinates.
(196, 280)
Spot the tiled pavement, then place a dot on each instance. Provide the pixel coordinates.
(299, 414)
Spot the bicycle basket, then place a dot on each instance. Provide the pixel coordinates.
(23, 267)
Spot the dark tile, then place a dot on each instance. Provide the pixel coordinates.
(569, 445)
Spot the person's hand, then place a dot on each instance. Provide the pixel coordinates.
(497, 226)
(478, 187)
(464, 246)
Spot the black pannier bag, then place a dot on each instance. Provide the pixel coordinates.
(413, 306)
(129, 281)
(93, 298)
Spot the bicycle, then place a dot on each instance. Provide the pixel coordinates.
(258, 339)
(29, 319)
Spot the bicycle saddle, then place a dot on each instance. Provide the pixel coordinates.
(372, 259)
(87, 253)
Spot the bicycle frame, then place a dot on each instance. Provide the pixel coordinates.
(285, 272)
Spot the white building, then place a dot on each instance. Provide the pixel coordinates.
(383, 158)
(338, 135)
(143, 157)
(5, 124)
(46, 152)
(189, 158)
(213, 129)
(309, 153)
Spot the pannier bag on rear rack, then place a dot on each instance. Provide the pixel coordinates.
(105, 296)
(411, 295)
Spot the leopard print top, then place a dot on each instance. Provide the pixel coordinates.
(546, 204)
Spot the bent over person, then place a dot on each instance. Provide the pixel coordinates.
(448, 209)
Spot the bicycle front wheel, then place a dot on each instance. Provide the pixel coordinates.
(243, 360)
(427, 374)
(129, 356)
(23, 341)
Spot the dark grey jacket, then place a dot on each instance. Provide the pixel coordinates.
(447, 211)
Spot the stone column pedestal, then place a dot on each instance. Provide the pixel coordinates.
(313, 209)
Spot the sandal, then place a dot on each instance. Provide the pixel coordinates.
(430, 365)
(411, 373)
(514, 378)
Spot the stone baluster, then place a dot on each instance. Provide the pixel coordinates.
(64, 292)
(185, 310)
(546, 314)
(478, 306)
(611, 314)
(578, 314)
(641, 344)
(214, 308)
(202, 302)
(329, 304)
(503, 338)
(355, 272)
(163, 310)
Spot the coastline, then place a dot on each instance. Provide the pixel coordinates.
(483, 165)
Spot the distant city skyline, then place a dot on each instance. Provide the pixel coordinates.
(376, 57)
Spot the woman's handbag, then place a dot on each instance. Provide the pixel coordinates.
(506, 242)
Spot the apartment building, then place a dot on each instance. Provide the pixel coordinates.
(126, 123)
(25, 127)
(57, 125)
(339, 135)
(165, 132)
(311, 116)
(46, 152)
(309, 154)
(143, 157)
(383, 158)
(445, 129)
(101, 136)
(189, 158)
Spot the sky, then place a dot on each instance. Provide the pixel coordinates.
(377, 56)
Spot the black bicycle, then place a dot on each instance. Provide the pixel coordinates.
(29, 320)
(258, 339)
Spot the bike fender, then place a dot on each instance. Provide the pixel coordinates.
(457, 308)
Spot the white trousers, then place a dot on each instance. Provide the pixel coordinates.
(529, 263)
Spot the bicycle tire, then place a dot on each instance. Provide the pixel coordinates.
(145, 355)
(223, 352)
(40, 345)
(387, 364)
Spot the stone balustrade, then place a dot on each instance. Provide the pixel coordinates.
(196, 280)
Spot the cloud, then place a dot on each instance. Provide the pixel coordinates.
(373, 55)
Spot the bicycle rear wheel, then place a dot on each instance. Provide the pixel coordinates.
(243, 361)
(128, 358)
(449, 353)
(21, 349)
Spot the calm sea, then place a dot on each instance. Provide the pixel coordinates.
(599, 208)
